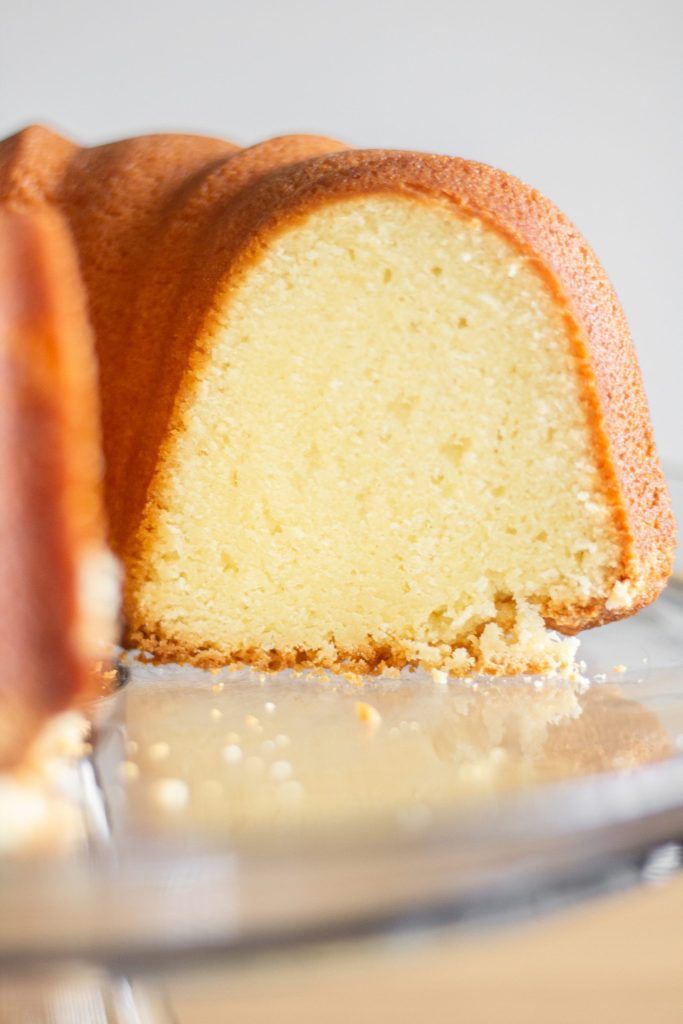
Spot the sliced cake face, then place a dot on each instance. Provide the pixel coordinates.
(381, 452)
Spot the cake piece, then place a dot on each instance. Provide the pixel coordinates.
(407, 426)
(58, 585)
(361, 409)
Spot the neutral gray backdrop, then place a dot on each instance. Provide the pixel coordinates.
(583, 100)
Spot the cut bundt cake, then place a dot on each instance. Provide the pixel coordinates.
(58, 585)
(408, 425)
(360, 409)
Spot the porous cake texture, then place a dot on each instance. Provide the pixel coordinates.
(361, 409)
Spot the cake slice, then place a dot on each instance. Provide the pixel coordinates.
(58, 585)
(407, 426)
(361, 409)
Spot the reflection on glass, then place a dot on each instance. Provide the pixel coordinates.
(241, 753)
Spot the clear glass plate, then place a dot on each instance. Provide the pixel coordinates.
(235, 813)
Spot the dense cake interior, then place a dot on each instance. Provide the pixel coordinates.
(380, 454)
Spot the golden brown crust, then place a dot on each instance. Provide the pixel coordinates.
(373, 658)
(111, 195)
(32, 166)
(50, 468)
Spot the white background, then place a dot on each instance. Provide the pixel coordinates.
(580, 99)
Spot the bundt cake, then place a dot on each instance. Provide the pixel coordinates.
(58, 581)
(360, 408)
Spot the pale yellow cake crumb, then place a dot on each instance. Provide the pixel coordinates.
(398, 466)
(622, 596)
(390, 672)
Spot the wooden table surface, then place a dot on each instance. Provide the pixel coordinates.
(618, 959)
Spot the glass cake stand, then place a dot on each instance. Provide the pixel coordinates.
(233, 815)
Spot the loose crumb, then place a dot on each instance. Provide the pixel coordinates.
(216, 713)
(354, 678)
(619, 668)
(367, 714)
